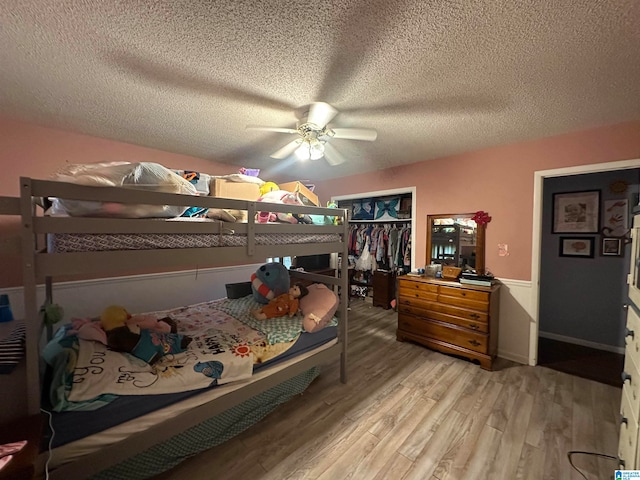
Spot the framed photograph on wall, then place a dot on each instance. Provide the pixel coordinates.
(615, 217)
(612, 247)
(576, 212)
(576, 247)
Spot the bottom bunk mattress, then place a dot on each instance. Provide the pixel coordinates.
(92, 389)
(206, 434)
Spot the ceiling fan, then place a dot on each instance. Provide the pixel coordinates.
(314, 133)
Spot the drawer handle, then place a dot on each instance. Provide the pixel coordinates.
(464, 294)
(625, 376)
(474, 326)
(621, 462)
(475, 343)
(629, 333)
(624, 420)
(475, 316)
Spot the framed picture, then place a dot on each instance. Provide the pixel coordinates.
(576, 212)
(615, 217)
(576, 247)
(612, 247)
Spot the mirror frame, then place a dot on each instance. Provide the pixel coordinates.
(479, 238)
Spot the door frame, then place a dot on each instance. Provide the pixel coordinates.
(538, 187)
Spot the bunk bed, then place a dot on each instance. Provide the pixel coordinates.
(224, 244)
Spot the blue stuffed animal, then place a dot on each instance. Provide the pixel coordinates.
(269, 281)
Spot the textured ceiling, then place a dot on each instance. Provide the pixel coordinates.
(434, 78)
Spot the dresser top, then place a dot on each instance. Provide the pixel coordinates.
(449, 283)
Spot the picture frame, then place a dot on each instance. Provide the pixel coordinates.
(612, 247)
(576, 212)
(615, 217)
(582, 247)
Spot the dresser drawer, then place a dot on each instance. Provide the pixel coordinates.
(480, 305)
(404, 291)
(477, 342)
(465, 313)
(628, 435)
(433, 306)
(632, 338)
(464, 293)
(417, 286)
(631, 386)
(421, 311)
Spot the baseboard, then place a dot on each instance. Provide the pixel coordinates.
(583, 343)
(514, 357)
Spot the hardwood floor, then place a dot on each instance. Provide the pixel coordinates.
(411, 413)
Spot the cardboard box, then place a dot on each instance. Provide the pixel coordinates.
(222, 188)
(306, 195)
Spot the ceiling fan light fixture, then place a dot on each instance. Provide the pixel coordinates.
(310, 149)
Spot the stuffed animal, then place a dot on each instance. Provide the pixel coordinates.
(268, 187)
(143, 336)
(333, 219)
(318, 307)
(280, 196)
(147, 345)
(115, 316)
(285, 304)
(269, 281)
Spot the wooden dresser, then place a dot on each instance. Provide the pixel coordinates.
(449, 317)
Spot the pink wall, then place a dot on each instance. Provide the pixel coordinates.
(27, 150)
(498, 180)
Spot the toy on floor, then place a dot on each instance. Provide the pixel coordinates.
(285, 304)
(269, 281)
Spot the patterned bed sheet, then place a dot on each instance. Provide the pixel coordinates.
(83, 242)
(227, 342)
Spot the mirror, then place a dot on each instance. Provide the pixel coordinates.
(452, 239)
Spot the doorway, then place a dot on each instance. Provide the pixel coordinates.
(540, 219)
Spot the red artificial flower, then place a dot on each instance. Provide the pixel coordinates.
(481, 218)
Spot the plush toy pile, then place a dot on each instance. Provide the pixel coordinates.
(143, 336)
(317, 306)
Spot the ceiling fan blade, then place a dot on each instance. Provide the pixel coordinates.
(333, 156)
(271, 129)
(287, 150)
(321, 113)
(355, 133)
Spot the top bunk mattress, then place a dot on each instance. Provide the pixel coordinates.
(83, 242)
(98, 242)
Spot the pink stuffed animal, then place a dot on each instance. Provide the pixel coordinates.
(279, 196)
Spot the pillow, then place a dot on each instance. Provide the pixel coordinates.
(387, 209)
(223, 214)
(363, 209)
(318, 307)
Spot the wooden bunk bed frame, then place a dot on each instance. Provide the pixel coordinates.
(42, 267)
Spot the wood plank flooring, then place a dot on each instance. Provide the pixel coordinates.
(411, 413)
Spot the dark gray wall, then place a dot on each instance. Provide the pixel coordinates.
(582, 298)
